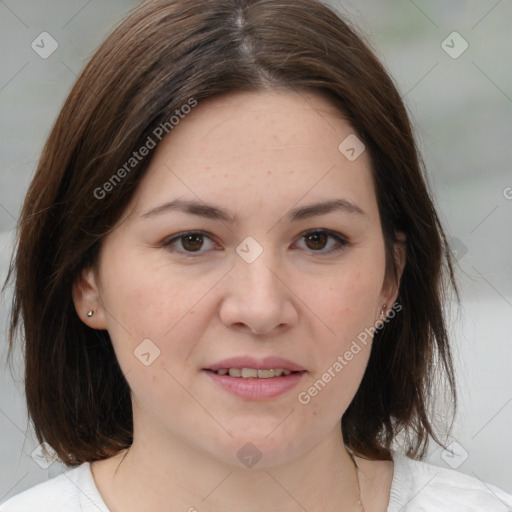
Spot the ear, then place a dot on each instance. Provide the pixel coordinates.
(391, 286)
(86, 297)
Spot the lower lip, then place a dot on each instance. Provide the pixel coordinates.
(254, 388)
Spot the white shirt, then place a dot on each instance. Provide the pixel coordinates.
(416, 487)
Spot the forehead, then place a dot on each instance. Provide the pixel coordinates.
(268, 146)
(254, 120)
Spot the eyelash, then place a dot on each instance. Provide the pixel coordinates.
(341, 241)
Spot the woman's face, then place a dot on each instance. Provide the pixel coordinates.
(286, 261)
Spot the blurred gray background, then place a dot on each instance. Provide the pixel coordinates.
(460, 100)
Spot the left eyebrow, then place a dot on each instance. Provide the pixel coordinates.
(342, 205)
(216, 213)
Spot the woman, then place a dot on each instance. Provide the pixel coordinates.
(230, 275)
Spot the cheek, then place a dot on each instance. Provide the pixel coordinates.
(146, 297)
(341, 353)
(347, 304)
(144, 301)
(357, 296)
(346, 307)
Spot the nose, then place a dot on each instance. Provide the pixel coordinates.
(258, 298)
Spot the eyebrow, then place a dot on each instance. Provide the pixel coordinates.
(215, 213)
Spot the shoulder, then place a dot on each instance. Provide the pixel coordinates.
(73, 490)
(419, 486)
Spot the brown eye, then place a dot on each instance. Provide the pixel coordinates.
(318, 241)
(192, 242)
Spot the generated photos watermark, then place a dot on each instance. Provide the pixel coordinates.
(304, 397)
(137, 156)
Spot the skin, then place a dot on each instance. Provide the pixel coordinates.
(258, 155)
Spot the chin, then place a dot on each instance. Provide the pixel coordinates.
(258, 449)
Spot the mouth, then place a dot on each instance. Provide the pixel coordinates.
(254, 379)
(253, 373)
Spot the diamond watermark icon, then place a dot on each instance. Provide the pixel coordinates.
(44, 45)
(458, 248)
(455, 455)
(352, 147)
(147, 352)
(249, 454)
(44, 461)
(249, 250)
(454, 45)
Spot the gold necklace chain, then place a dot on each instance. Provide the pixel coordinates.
(357, 480)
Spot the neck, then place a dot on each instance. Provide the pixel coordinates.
(179, 477)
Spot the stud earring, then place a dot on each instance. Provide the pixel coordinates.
(90, 313)
(383, 312)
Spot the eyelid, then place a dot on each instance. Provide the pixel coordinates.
(174, 238)
(342, 241)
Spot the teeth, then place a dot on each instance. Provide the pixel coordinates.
(252, 373)
(249, 372)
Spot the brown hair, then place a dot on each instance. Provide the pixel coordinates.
(165, 53)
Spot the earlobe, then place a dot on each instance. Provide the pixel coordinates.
(86, 298)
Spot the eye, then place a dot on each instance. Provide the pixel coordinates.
(317, 239)
(190, 242)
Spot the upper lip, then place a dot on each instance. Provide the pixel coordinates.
(265, 363)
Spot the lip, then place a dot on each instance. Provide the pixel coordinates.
(255, 388)
(258, 364)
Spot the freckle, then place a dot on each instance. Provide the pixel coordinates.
(291, 172)
(269, 172)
